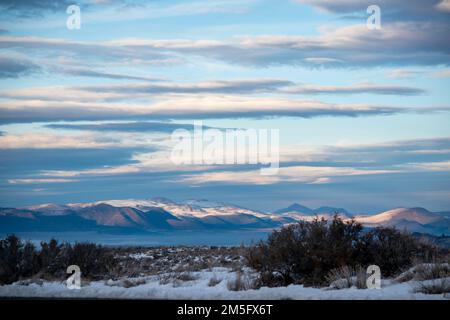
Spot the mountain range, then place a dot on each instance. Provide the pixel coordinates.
(161, 214)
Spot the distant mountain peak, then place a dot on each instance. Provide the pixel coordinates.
(295, 207)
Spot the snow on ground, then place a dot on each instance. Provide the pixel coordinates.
(151, 287)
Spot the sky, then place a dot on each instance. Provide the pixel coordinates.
(362, 113)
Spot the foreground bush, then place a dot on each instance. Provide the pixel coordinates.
(19, 260)
(306, 252)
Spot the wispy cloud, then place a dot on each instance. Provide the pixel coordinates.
(356, 89)
(302, 174)
(164, 127)
(84, 72)
(399, 10)
(191, 107)
(442, 73)
(39, 181)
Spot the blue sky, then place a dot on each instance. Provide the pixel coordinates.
(363, 114)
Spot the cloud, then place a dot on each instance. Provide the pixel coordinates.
(39, 181)
(140, 163)
(377, 154)
(398, 10)
(299, 174)
(30, 161)
(404, 73)
(144, 90)
(163, 127)
(15, 68)
(82, 72)
(442, 73)
(27, 8)
(432, 166)
(399, 43)
(355, 89)
(82, 50)
(308, 164)
(90, 140)
(50, 141)
(214, 86)
(154, 91)
(191, 107)
(443, 5)
(402, 43)
(186, 106)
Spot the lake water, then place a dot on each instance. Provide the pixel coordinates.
(216, 238)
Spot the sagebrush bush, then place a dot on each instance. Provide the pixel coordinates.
(306, 252)
(393, 250)
(19, 260)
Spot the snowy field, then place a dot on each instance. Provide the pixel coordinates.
(207, 272)
(200, 286)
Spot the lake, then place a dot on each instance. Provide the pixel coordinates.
(213, 238)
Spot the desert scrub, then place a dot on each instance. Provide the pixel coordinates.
(20, 260)
(306, 252)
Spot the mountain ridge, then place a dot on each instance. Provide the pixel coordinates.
(156, 214)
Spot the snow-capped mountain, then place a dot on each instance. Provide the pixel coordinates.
(299, 212)
(188, 208)
(412, 219)
(135, 215)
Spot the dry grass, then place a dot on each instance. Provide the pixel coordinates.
(241, 282)
(347, 277)
(434, 286)
(214, 281)
(176, 278)
(425, 271)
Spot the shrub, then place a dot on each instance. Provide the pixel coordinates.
(9, 257)
(306, 252)
(94, 261)
(392, 250)
(241, 282)
(19, 260)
